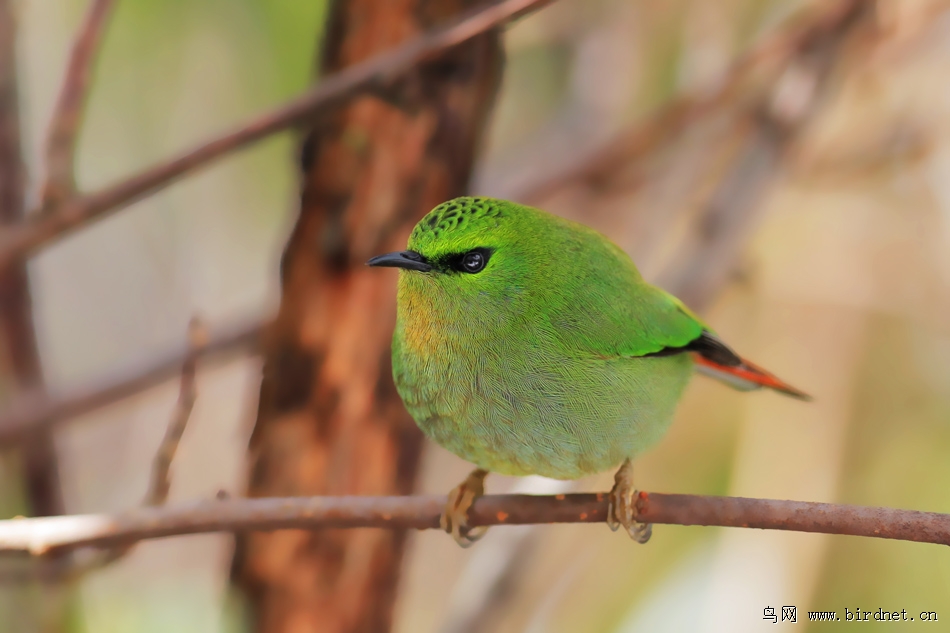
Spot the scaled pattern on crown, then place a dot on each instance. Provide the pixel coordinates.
(455, 214)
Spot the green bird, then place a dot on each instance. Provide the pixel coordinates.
(529, 344)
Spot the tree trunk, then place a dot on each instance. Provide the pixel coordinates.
(330, 421)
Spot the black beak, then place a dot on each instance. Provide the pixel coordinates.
(408, 260)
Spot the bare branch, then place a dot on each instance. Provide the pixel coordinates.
(378, 71)
(72, 568)
(46, 535)
(60, 183)
(161, 483)
(37, 410)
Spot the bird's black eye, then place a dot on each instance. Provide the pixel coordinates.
(474, 261)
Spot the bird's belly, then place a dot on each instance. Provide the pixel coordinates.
(563, 420)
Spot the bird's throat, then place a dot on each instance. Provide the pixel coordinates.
(420, 322)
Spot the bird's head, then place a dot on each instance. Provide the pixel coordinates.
(470, 256)
(459, 237)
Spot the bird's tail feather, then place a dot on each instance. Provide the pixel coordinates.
(745, 376)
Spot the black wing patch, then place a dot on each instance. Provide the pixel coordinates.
(707, 346)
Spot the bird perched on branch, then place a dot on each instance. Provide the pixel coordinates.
(529, 344)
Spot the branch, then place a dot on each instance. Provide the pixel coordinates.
(60, 183)
(187, 393)
(71, 569)
(37, 411)
(46, 535)
(380, 70)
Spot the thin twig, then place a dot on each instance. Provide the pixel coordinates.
(380, 70)
(71, 569)
(161, 466)
(38, 410)
(60, 183)
(42, 536)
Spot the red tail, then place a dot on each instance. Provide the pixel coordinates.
(746, 376)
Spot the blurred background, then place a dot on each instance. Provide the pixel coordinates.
(787, 174)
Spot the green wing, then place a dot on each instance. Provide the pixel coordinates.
(602, 305)
(641, 321)
(660, 321)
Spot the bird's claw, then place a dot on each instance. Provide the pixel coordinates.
(454, 519)
(622, 506)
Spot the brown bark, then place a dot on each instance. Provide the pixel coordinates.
(329, 419)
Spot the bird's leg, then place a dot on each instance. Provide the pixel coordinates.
(454, 519)
(622, 505)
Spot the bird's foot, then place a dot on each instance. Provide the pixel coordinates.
(622, 506)
(454, 519)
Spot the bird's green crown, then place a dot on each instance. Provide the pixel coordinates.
(455, 214)
(452, 224)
